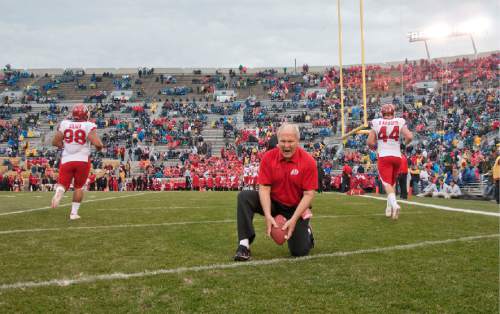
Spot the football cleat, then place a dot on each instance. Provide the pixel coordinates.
(74, 217)
(56, 199)
(395, 212)
(388, 212)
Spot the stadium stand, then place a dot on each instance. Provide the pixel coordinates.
(163, 129)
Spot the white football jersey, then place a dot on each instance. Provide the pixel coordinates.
(76, 144)
(388, 133)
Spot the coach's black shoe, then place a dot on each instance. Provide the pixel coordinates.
(242, 254)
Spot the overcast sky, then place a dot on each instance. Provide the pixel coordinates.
(227, 33)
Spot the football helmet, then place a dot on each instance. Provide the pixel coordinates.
(80, 112)
(387, 110)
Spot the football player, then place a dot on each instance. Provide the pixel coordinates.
(74, 136)
(384, 136)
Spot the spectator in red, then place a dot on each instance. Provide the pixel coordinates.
(210, 183)
(218, 185)
(11, 183)
(235, 183)
(110, 183)
(346, 178)
(33, 179)
(196, 182)
(202, 183)
(91, 182)
(115, 184)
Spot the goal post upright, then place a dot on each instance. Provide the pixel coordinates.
(342, 125)
(363, 74)
(361, 128)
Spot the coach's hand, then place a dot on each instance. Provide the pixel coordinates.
(270, 222)
(290, 225)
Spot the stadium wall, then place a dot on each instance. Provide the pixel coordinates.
(290, 69)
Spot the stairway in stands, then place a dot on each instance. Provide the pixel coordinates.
(213, 136)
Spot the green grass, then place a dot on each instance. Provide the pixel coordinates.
(137, 235)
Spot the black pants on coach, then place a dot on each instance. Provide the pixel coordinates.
(300, 242)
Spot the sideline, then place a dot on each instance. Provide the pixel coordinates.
(452, 209)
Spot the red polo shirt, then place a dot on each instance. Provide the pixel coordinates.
(288, 179)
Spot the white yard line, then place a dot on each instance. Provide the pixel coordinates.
(180, 223)
(124, 276)
(163, 224)
(48, 207)
(147, 207)
(461, 210)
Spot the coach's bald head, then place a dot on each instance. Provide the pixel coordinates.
(288, 139)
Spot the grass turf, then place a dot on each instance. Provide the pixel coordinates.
(133, 233)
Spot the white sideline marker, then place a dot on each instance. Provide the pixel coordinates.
(48, 207)
(452, 209)
(124, 276)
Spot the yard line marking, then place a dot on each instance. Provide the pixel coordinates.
(154, 207)
(462, 210)
(48, 207)
(179, 223)
(125, 276)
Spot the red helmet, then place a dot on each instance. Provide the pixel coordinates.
(387, 110)
(80, 112)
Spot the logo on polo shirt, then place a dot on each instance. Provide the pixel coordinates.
(294, 172)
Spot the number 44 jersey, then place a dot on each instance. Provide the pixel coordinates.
(388, 132)
(76, 144)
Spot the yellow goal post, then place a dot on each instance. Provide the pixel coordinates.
(362, 129)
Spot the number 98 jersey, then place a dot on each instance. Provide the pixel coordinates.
(388, 132)
(76, 144)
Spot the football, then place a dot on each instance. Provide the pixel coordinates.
(277, 234)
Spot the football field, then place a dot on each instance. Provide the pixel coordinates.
(171, 252)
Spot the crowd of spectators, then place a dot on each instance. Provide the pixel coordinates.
(455, 128)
